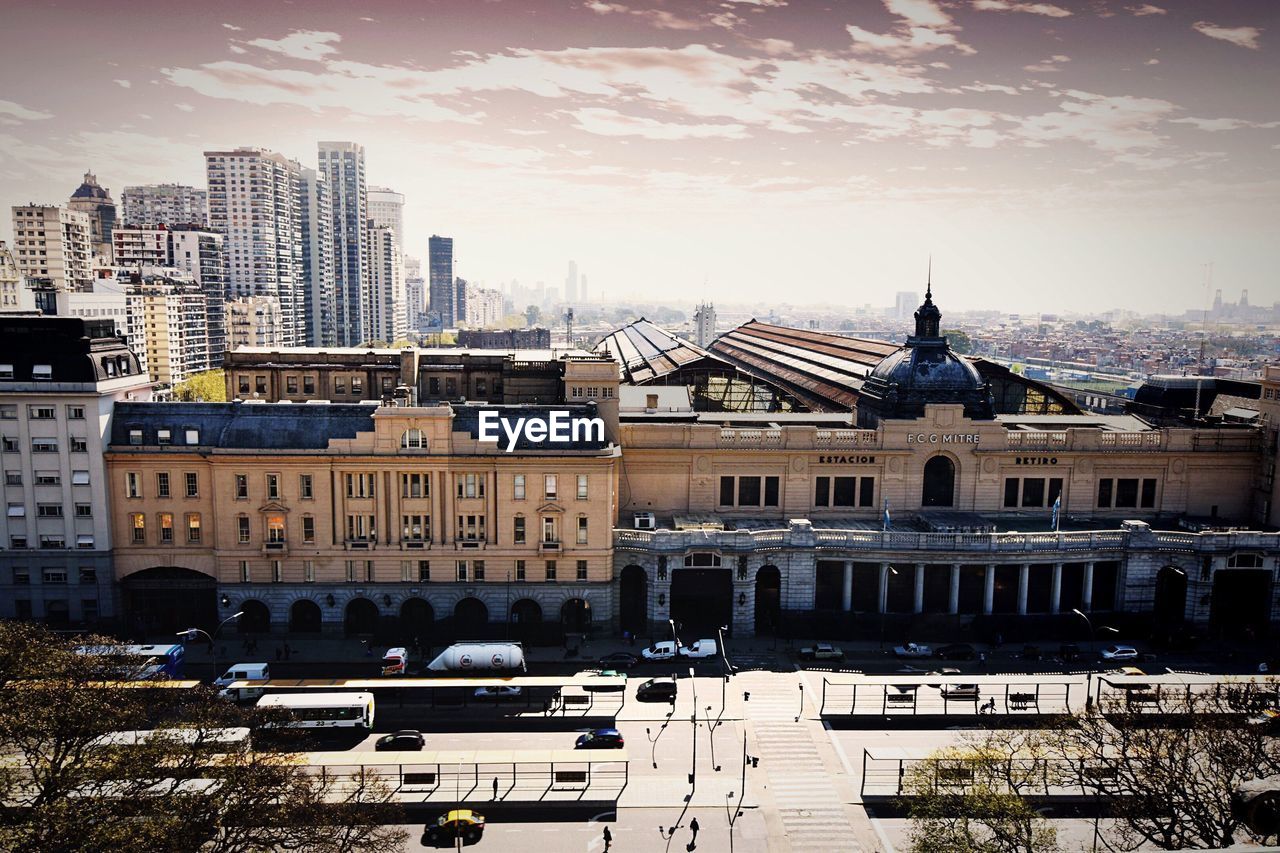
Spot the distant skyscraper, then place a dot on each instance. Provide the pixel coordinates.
(95, 201)
(415, 293)
(905, 304)
(440, 273)
(255, 202)
(343, 166)
(571, 284)
(317, 259)
(386, 208)
(53, 242)
(459, 301)
(387, 316)
(582, 290)
(704, 320)
(164, 204)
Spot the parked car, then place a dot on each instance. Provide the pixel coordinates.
(617, 687)
(946, 670)
(657, 690)
(504, 691)
(955, 651)
(449, 827)
(964, 692)
(698, 649)
(663, 650)
(912, 650)
(822, 651)
(1069, 652)
(1119, 653)
(408, 740)
(619, 661)
(600, 739)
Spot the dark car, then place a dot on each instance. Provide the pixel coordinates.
(600, 739)
(619, 661)
(657, 690)
(955, 651)
(403, 741)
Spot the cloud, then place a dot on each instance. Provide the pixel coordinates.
(990, 87)
(924, 27)
(233, 27)
(1152, 61)
(1110, 123)
(1240, 36)
(186, 108)
(1147, 9)
(1213, 125)
(302, 44)
(665, 20)
(14, 113)
(1053, 63)
(1047, 9)
(606, 122)
(123, 84)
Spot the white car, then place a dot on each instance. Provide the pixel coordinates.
(664, 650)
(1119, 653)
(912, 650)
(504, 691)
(699, 649)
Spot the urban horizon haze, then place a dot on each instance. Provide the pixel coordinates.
(1066, 156)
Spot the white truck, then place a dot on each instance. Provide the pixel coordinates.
(662, 650)
(472, 657)
(242, 672)
(699, 649)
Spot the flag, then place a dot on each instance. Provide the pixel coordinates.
(888, 524)
(1057, 509)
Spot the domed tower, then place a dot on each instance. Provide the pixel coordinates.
(923, 371)
(95, 200)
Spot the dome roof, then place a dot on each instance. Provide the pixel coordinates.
(927, 369)
(91, 189)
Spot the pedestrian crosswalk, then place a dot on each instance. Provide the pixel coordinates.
(810, 810)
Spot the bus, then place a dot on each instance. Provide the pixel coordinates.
(323, 710)
(220, 738)
(141, 663)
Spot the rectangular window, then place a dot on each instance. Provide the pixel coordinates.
(1033, 491)
(275, 529)
(13, 478)
(520, 570)
(162, 484)
(242, 384)
(8, 412)
(21, 577)
(84, 510)
(10, 444)
(244, 571)
(339, 385)
(518, 535)
(193, 527)
(88, 576)
(291, 385)
(44, 445)
(1055, 489)
(582, 531)
(517, 487)
(748, 491)
(273, 487)
(1104, 493)
(549, 486)
(242, 529)
(462, 570)
(1148, 493)
(53, 478)
(844, 492)
(406, 571)
(309, 385)
(866, 491)
(470, 485)
(415, 485)
(582, 570)
(49, 510)
(551, 570)
(309, 571)
(360, 528)
(135, 435)
(40, 413)
(54, 576)
(360, 485)
(1011, 491)
(424, 571)
(193, 484)
(471, 528)
(1127, 492)
(277, 571)
(17, 510)
(351, 571)
(79, 445)
(164, 436)
(193, 436)
(822, 492)
(242, 487)
(417, 528)
(726, 491)
(582, 487)
(75, 413)
(166, 527)
(771, 488)
(477, 570)
(308, 529)
(304, 487)
(138, 523)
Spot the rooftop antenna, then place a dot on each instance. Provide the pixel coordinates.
(928, 290)
(1204, 333)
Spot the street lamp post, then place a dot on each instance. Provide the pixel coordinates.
(736, 811)
(192, 633)
(712, 725)
(884, 604)
(1093, 652)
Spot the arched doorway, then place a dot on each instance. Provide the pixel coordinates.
(526, 611)
(575, 615)
(168, 599)
(939, 482)
(361, 617)
(469, 614)
(304, 617)
(768, 600)
(633, 607)
(256, 618)
(417, 620)
(1171, 597)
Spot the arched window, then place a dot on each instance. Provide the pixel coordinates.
(413, 439)
(702, 559)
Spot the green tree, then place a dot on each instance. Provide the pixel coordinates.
(207, 386)
(532, 315)
(960, 341)
(182, 790)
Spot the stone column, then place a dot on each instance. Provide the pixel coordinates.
(918, 605)
(953, 602)
(884, 588)
(1055, 597)
(1086, 594)
(846, 593)
(1024, 579)
(989, 590)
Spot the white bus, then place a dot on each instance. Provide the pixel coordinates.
(213, 737)
(323, 710)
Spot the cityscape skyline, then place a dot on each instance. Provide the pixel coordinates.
(1062, 157)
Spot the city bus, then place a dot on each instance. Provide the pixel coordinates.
(220, 738)
(327, 711)
(141, 663)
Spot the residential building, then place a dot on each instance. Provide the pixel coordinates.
(54, 242)
(95, 201)
(164, 204)
(60, 378)
(255, 202)
(484, 307)
(415, 301)
(253, 321)
(535, 338)
(175, 324)
(704, 324)
(571, 284)
(388, 316)
(15, 296)
(342, 164)
(318, 259)
(386, 208)
(442, 299)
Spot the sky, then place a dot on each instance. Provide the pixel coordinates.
(1078, 155)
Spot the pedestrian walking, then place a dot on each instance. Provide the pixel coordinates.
(495, 787)
(693, 825)
(279, 654)
(608, 839)
(287, 651)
